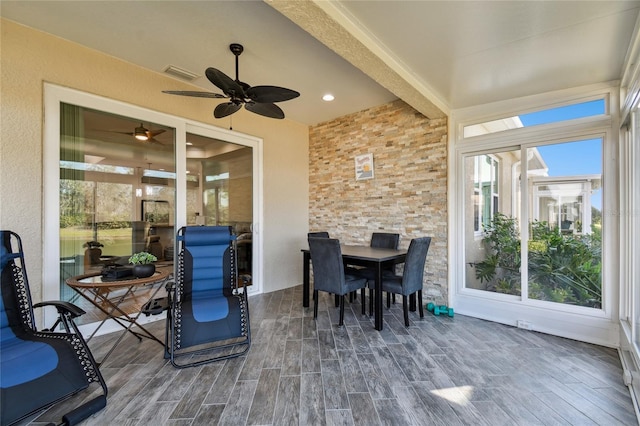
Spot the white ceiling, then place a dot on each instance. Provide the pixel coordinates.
(452, 53)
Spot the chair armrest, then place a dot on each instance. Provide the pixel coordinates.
(63, 307)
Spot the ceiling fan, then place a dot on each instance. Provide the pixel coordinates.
(258, 99)
(143, 134)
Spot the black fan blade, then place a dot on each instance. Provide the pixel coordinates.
(225, 109)
(194, 94)
(269, 94)
(152, 133)
(229, 87)
(268, 110)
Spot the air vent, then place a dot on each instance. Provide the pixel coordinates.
(180, 73)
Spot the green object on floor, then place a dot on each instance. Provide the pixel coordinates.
(439, 309)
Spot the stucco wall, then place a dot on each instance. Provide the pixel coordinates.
(29, 58)
(408, 194)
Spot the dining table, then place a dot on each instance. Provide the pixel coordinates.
(372, 257)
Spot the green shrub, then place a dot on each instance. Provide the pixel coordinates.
(563, 268)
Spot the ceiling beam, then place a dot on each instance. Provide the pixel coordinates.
(330, 25)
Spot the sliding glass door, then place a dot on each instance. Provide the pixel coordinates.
(564, 248)
(492, 203)
(557, 242)
(220, 191)
(120, 179)
(531, 237)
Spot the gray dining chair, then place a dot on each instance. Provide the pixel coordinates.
(318, 234)
(410, 282)
(378, 240)
(385, 240)
(328, 273)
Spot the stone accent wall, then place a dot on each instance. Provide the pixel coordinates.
(407, 195)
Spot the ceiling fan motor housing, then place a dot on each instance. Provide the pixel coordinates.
(236, 48)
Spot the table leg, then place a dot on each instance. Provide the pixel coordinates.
(378, 298)
(306, 259)
(121, 320)
(97, 300)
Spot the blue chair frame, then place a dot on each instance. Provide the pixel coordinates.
(39, 369)
(208, 314)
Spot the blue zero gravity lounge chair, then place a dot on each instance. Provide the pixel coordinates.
(208, 318)
(39, 368)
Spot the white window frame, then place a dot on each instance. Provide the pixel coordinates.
(598, 326)
(630, 247)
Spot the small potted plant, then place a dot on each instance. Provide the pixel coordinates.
(143, 265)
(93, 252)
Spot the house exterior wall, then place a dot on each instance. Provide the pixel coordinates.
(408, 194)
(30, 58)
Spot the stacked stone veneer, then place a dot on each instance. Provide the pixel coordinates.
(408, 194)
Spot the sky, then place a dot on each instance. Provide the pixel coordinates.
(574, 158)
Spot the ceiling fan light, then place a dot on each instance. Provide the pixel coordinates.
(141, 133)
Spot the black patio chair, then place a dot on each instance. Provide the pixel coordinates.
(208, 318)
(39, 369)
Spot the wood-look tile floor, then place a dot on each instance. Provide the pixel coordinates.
(301, 371)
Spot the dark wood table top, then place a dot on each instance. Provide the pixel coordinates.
(368, 253)
(95, 280)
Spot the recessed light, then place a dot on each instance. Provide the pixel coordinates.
(189, 143)
(328, 97)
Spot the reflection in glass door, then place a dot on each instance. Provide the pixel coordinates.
(117, 191)
(220, 191)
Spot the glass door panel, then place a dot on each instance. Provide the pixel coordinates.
(564, 248)
(117, 192)
(220, 191)
(492, 237)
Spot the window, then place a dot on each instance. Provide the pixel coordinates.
(486, 190)
(544, 116)
(531, 237)
(484, 185)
